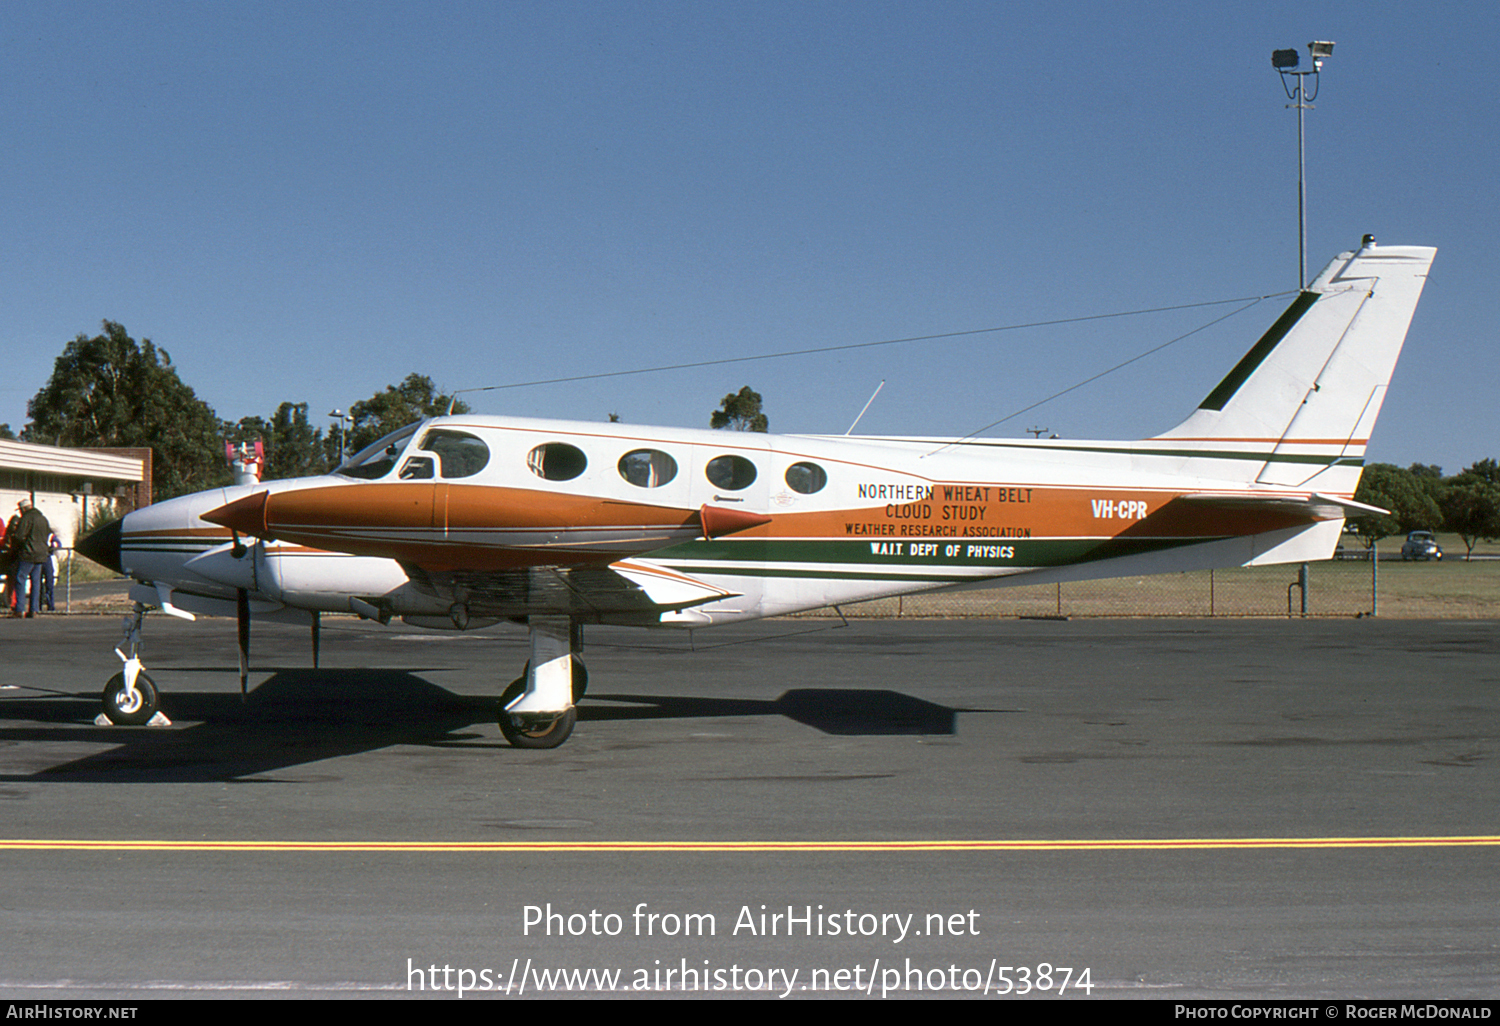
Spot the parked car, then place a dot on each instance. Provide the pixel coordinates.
(1352, 546)
(1421, 545)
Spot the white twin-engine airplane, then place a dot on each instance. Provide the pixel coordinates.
(459, 522)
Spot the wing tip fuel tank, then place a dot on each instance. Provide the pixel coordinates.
(717, 521)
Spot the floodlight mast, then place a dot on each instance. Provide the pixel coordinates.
(1287, 62)
(344, 421)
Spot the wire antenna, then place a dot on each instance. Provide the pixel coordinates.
(866, 406)
(864, 345)
(1073, 388)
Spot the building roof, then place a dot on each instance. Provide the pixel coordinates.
(47, 459)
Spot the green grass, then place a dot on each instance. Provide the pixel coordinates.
(1452, 545)
(83, 569)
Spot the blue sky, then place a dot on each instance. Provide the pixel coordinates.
(309, 201)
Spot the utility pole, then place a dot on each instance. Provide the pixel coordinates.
(1288, 62)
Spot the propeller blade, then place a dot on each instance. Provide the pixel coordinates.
(242, 614)
(317, 621)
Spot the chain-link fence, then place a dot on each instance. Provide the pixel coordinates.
(56, 591)
(1453, 588)
(1356, 587)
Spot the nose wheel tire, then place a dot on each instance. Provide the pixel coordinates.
(129, 710)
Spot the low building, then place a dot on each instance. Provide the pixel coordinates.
(70, 486)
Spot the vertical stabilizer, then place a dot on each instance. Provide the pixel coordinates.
(1309, 391)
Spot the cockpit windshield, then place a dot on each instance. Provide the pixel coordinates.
(376, 460)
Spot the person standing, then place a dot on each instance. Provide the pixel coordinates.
(32, 532)
(8, 561)
(49, 571)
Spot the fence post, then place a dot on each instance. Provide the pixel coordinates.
(1301, 585)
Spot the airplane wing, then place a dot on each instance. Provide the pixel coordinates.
(622, 590)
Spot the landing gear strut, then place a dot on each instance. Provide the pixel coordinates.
(536, 710)
(130, 698)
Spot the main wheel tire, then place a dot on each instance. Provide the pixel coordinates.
(527, 732)
(126, 713)
(512, 692)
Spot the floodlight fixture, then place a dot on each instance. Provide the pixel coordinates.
(1294, 79)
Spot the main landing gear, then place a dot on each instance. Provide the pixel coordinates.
(130, 698)
(537, 709)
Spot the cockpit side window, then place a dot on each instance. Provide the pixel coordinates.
(460, 454)
(416, 468)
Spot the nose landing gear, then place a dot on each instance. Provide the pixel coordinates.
(130, 698)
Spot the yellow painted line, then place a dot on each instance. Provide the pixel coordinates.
(709, 847)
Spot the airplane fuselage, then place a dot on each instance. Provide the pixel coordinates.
(807, 521)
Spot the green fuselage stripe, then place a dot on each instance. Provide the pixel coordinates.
(1224, 391)
(895, 560)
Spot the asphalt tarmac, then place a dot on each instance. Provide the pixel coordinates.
(1162, 809)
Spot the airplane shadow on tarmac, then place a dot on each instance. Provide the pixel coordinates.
(300, 716)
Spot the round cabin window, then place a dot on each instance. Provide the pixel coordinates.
(647, 468)
(557, 461)
(806, 478)
(731, 473)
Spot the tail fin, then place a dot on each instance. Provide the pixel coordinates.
(1308, 393)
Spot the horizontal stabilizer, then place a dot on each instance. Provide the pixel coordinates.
(1314, 506)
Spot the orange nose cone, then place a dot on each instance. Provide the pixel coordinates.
(247, 515)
